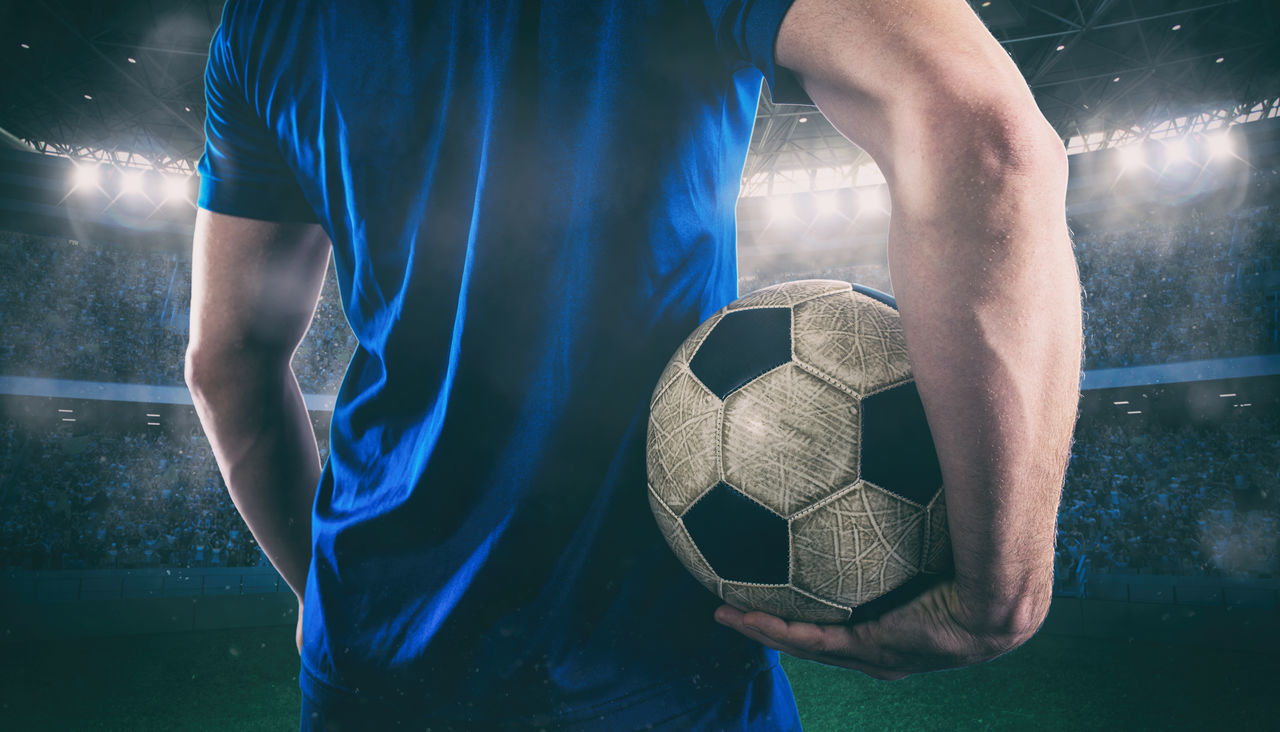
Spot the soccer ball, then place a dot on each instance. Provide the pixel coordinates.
(790, 464)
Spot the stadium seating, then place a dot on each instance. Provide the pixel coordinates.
(1140, 497)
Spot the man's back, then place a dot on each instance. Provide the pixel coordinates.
(531, 205)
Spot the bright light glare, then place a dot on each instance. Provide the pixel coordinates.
(1220, 145)
(781, 208)
(1177, 149)
(871, 200)
(175, 186)
(85, 176)
(827, 204)
(1132, 157)
(131, 183)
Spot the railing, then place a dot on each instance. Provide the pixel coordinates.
(1200, 591)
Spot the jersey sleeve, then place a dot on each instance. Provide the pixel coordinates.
(745, 32)
(242, 171)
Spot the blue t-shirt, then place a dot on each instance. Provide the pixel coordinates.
(531, 205)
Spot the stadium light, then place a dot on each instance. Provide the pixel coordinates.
(1220, 146)
(84, 176)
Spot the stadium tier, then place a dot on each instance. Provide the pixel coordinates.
(1169, 277)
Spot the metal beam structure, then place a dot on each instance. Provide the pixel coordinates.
(111, 82)
(123, 81)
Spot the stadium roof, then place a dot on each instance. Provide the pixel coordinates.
(125, 79)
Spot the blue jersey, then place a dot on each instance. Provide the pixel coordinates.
(531, 205)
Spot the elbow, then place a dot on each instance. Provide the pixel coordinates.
(980, 162)
(197, 368)
(208, 370)
(1019, 145)
(997, 135)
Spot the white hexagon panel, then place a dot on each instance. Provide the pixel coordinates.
(855, 341)
(790, 439)
(858, 546)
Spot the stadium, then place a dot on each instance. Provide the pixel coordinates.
(133, 596)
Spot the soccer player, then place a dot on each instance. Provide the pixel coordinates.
(529, 206)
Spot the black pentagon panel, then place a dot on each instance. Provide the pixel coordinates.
(897, 447)
(741, 540)
(875, 294)
(743, 345)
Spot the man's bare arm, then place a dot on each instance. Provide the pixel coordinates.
(989, 296)
(255, 285)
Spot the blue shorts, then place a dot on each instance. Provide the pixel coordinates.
(764, 704)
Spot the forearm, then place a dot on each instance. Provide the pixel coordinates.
(254, 415)
(990, 302)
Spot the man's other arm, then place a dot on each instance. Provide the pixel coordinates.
(254, 289)
(989, 296)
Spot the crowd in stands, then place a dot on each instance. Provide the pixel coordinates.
(96, 311)
(1196, 288)
(1141, 496)
(119, 500)
(79, 310)
(1202, 287)
(1155, 291)
(1184, 499)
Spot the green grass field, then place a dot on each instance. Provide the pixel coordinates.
(247, 680)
